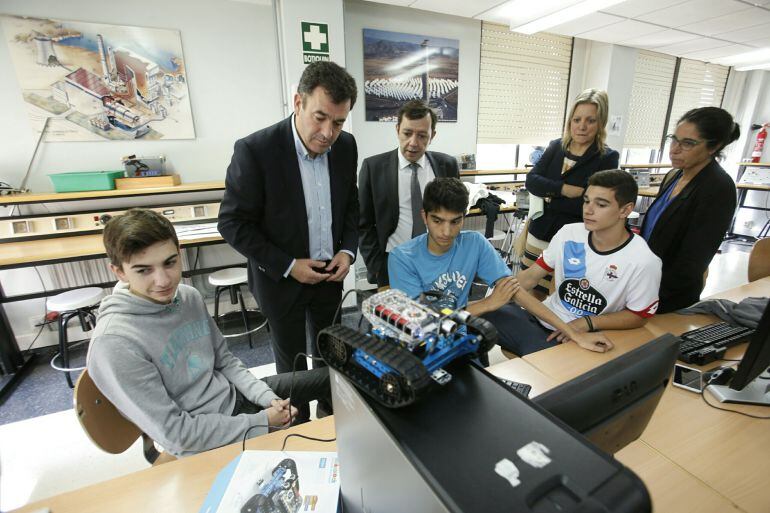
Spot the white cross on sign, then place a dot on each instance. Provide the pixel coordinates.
(315, 37)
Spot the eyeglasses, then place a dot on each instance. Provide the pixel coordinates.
(685, 144)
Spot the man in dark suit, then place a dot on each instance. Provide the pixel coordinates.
(291, 207)
(391, 186)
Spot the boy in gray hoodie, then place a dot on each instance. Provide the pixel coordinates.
(158, 356)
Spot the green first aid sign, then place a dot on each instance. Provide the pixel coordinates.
(315, 42)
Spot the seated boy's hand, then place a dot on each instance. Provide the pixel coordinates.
(597, 342)
(278, 414)
(505, 289)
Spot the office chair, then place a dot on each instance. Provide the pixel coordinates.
(759, 260)
(106, 427)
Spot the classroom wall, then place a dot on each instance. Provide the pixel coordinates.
(232, 69)
(377, 137)
(292, 14)
(234, 83)
(608, 67)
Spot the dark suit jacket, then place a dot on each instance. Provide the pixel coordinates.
(263, 213)
(545, 180)
(688, 233)
(378, 199)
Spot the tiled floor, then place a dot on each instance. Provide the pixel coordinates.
(38, 455)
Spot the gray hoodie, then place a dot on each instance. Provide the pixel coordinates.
(167, 368)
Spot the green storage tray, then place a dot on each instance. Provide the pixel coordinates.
(85, 181)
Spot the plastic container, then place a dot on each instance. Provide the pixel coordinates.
(85, 181)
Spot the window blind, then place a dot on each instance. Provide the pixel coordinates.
(650, 94)
(699, 84)
(522, 86)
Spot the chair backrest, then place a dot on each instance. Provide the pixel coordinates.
(101, 421)
(759, 260)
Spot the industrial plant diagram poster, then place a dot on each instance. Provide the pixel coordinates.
(99, 82)
(401, 67)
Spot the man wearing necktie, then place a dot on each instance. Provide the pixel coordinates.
(391, 185)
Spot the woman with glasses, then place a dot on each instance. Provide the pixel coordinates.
(686, 223)
(561, 175)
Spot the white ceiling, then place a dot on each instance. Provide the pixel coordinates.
(707, 30)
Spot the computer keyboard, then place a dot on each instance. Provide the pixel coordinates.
(708, 343)
(520, 388)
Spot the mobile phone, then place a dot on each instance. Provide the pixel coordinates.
(688, 378)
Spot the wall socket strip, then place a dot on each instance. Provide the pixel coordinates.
(20, 228)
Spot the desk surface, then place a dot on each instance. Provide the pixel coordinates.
(59, 249)
(53, 197)
(80, 247)
(483, 172)
(177, 486)
(725, 452)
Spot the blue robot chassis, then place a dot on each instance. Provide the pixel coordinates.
(403, 354)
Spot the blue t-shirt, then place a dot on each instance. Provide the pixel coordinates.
(414, 270)
(655, 211)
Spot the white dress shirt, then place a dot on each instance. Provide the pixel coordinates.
(425, 174)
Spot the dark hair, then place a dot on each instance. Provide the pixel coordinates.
(133, 232)
(715, 125)
(332, 78)
(621, 182)
(417, 109)
(447, 193)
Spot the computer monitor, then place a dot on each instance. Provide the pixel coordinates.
(751, 383)
(612, 404)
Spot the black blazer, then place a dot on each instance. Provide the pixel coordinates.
(379, 211)
(263, 213)
(688, 233)
(545, 180)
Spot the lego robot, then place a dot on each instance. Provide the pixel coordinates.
(403, 354)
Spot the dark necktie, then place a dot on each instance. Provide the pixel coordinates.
(418, 226)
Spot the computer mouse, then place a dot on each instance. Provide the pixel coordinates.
(721, 376)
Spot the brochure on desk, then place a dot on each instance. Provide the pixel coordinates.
(276, 481)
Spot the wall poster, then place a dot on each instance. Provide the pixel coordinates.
(401, 67)
(100, 82)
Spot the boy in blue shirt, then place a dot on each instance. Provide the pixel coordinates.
(444, 261)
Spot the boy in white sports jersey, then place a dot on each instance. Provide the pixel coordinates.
(606, 277)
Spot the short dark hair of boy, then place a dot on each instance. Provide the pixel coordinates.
(136, 230)
(417, 109)
(447, 193)
(332, 78)
(621, 182)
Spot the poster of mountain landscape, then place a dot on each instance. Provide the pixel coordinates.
(401, 67)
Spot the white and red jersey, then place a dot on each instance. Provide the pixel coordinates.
(592, 282)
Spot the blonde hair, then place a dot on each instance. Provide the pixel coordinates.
(602, 102)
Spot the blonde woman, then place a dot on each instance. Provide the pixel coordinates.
(561, 175)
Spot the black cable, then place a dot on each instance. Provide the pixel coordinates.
(45, 311)
(325, 440)
(291, 391)
(339, 306)
(703, 396)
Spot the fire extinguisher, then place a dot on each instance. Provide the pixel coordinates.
(756, 155)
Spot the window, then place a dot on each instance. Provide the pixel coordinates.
(653, 76)
(522, 87)
(698, 84)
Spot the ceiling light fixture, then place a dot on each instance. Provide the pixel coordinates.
(746, 59)
(564, 15)
(764, 65)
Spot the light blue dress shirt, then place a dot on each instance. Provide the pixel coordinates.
(318, 200)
